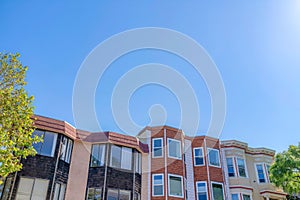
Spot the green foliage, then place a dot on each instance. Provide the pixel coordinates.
(285, 172)
(16, 110)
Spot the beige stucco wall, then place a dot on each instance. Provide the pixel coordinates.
(78, 174)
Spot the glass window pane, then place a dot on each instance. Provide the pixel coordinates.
(157, 143)
(230, 167)
(62, 192)
(91, 194)
(24, 189)
(38, 146)
(201, 191)
(198, 156)
(234, 197)
(157, 147)
(158, 180)
(126, 158)
(138, 164)
(69, 151)
(6, 189)
(56, 191)
(39, 189)
(246, 197)
(174, 148)
(64, 148)
(115, 156)
(112, 194)
(214, 158)
(241, 166)
(217, 191)
(124, 195)
(175, 186)
(49, 144)
(158, 190)
(260, 172)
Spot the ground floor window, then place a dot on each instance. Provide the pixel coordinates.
(32, 188)
(175, 185)
(217, 189)
(115, 194)
(59, 192)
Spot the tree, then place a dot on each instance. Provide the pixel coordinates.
(16, 111)
(285, 171)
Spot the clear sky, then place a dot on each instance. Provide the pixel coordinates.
(255, 45)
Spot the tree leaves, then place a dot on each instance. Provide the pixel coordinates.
(16, 110)
(285, 172)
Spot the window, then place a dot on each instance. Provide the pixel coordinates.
(30, 188)
(114, 194)
(174, 148)
(138, 162)
(137, 196)
(198, 156)
(246, 197)
(121, 157)
(268, 171)
(98, 155)
(201, 191)
(217, 189)
(175, 185)
(47, 147)
(157, 185)
(5, 188)
(94, 194)
(241, 167)
(67, 145)
(214, 157)
(157, 147)
(59, 192)
(230, 167)
(235, 197)
(260, 173)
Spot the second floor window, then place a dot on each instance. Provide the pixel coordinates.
(175, 185)
(98, 155)
(198, 156)
(235, 197)
(217, 190)
(260, 173)
(174, 148)
(121, 157)
(214, 157)
(157, 185)
(230, 167)
(157, 146)
(47, 147)
(242, 167)
(66, 151)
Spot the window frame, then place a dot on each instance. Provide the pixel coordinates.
(67, 149)
(104, 152)
(180, 152)
(233, 165)
(41, 147)
(212, 190)
(182, 190)
(121, 157)
(34, 180)
(206, 190)
(138, 162)
(217, 150)
(163, 185)
(264, 173)
(57, 197)
(153, 148)
(250, 195)
(238, 195)
(203, 157)
(238, 168)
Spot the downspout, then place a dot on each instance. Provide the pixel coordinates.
(166, 165)
(13, 185)
(207, 170)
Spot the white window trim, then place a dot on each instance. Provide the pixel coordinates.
(180, 152)
(163, 185)
(234, 168)
(205, 188)
(212, 149)
(162, 149)
(264, 170)
(212, 191)
(202, 156)
(182, 190)
(238, 171)
(246, 194)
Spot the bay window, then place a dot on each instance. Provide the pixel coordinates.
(175, 186)
(121, 157)
(201, 191)
(198, 156)
(230, 167)
(47, 147)
(157, 185)
(214, 157)
(98, 155)
(242, 167)
(217, 190)
(157, 147)
(66, 151)
(174, 148)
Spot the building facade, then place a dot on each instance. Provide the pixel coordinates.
(160, 163)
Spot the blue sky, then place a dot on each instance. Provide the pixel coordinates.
(255, 45)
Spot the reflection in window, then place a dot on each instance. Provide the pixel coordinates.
(98, 155)
(201, 191)
(121, 157)
(94, 194)
(198, 156)
(114, 194)
(241, 166)
(157, 147)
(214, 157)
(230, 167)
(32, 188)
(175, 186)
(246, 197)
(47, 147)
(217, 189)
(174, 148)
(66, 151)
(59, 192)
